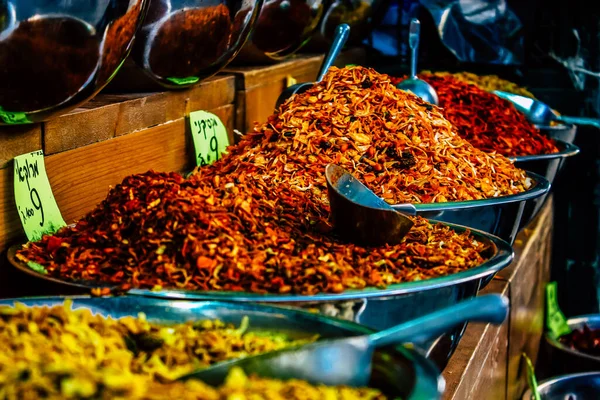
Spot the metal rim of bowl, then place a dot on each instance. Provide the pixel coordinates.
(540, 187)
(558, 127)
(577, 323)
(566, 150)
(500, 259)
(552, 381)
(422, 388)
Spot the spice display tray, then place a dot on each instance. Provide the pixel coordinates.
(499, 216)
(566, 133)
(399, 372)
(548, 165)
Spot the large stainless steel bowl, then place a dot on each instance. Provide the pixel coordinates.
(400, 372)
(283, 27)
(182, 42)
(54, 55)
(564, 132)
(547, 165)
(569, 387)
(566, 360)
(500, 216)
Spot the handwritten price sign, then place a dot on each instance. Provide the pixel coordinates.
(210, 137)
(35, 202)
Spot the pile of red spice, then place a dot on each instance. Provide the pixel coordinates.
(488, 122)
(236, 233)
(585, 340)
(258, 219)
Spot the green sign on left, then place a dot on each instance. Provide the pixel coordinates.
(35, 202)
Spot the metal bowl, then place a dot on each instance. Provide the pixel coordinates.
(547, 165)
(283, 27)
(398, 372)
(500, 216)
(56, 55)
(563, 132)
(567, 360)
(182, 42)
(569, 387)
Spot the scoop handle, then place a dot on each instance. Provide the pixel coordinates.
(580, 121)
(491, 308)
(414, 34)
(342, 32)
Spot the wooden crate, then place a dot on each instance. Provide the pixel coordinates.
(97, 145)
(258, 87)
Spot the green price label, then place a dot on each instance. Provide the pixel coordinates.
(35, 202)
(555, 319)
(210, 137)
(531, 379)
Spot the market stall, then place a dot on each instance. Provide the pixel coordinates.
(197, 224)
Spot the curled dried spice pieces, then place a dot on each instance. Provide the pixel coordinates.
(488, 122)
(398, 145)
(236, 232)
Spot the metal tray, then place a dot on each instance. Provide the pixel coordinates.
(375, 308)
(500, 216)
(569, 387)
(399, 372)
(567, 360)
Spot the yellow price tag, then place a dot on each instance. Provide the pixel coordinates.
(290, 81)
(210, 137)
(35, 202)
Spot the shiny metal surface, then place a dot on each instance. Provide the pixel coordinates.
(500, 216)
(282, 28)
(399, 372)
(413, 84)
(569, 360)
(359, 215)
(565, 133)
(585, 386)
(342, 33)
(182, 42)
(542, 114)
(54, 55)
(353, 356)
(547, 165)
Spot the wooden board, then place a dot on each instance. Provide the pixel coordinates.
(479, 363)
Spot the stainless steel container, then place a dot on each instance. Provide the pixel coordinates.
(500, 216)
(569, 387)
(399, 372)
(182, 42)
(54, 55)
(566, 133)
(566, 360)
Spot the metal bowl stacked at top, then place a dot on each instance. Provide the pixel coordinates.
(182, 42)
(563, 132)
(400, 372)
(282, 28)
(56, 55)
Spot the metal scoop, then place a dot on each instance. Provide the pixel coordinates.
(347, 361)
(342, 32)
(359, 215)
(539, 113)
(413, 84)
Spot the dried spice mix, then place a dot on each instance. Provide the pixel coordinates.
(60, 353)
(488, 122)
(488, 83)
(257, 220)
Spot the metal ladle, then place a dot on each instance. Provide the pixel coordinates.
(413, 84)
(342, 32)
(539, 113)
(359, 215)
(348, 361)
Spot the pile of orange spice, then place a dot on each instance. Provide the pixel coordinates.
(488, 122)
(258, 219)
